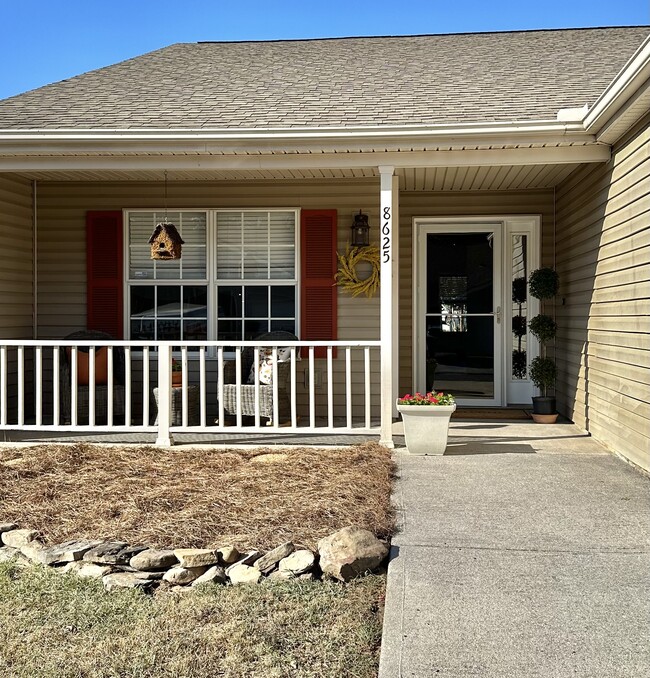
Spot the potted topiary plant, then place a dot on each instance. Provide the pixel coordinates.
(543, 284)
(543, 374)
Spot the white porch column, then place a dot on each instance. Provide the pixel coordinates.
(164, 438)
(395, 258)
(386, 253)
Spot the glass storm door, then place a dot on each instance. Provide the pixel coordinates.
(460, 312)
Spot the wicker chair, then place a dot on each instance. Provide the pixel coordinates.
(83, 390)
(247, 403)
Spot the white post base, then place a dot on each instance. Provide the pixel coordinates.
(163, 441)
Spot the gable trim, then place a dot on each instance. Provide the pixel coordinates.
(631, 83)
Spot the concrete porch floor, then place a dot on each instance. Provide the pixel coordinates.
(524, 551)
(478, 436)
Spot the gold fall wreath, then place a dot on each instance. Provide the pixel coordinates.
(347, 277)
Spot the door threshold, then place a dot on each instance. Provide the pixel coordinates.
(503, 413)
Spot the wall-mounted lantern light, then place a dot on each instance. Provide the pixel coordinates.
(360, 236)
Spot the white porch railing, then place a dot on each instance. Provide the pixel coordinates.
(41, 389)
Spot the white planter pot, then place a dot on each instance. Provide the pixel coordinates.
(426, 427)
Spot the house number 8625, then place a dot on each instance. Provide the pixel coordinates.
(385, 230)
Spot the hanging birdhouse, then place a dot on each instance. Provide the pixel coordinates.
(166, 242)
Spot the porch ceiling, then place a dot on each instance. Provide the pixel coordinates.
(483, 177)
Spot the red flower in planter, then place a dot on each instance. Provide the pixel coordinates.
(428, 399)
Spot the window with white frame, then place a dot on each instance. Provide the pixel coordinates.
(236, 279)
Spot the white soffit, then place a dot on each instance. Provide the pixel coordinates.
(479, 178)
(627, 116)
(484, 178)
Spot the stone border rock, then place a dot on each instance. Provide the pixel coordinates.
(348, 553)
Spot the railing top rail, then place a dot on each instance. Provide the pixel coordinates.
(189, 344)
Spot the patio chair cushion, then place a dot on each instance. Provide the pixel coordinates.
(244, 396)
(265, 368)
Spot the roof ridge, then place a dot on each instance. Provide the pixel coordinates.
(415, 35)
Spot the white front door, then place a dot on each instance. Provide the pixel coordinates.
(467, 342)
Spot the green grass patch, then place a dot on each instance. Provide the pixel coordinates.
(59, 625)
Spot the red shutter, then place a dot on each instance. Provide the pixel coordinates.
(104, 272)
(318, 290)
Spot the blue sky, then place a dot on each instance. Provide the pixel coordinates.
(43, 41)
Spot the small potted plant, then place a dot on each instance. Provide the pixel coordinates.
(544, 284)
(542, 374)
(177, 373)
(426, 421)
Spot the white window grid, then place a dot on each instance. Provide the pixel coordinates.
(212, 281)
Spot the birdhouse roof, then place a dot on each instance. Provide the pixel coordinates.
(169, 230)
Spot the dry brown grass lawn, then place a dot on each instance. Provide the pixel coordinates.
(61, 626)
(196, 497)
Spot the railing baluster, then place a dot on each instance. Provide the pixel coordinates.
(91, 386)
(256, 363)
(145, 386)
(220, 378)
(202, 402)
(73, 386)
(38, 366)
(109, 386)
(185, 380)
(330, 388)
(21, 385)
(276, 404)
(312, 389)
(127, 386)
(348, 386)
(294, 417)
(238, 382)
(56, 391)
(366, 357)
(4, 390)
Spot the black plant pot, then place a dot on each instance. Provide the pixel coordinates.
(544, 405)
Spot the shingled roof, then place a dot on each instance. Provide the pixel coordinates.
(341, 82)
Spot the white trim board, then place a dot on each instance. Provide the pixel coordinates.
(32, 160)
(507, 390)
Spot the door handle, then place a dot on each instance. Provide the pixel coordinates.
(498, 315)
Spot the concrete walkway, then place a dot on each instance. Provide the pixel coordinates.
(524, 551)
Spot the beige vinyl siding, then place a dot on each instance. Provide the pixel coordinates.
(62, 213)
(16, 276)
(425, 204)
(603, 258)
(62, 249)
(16, 245)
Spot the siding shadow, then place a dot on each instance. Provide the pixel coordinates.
(601, 255)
